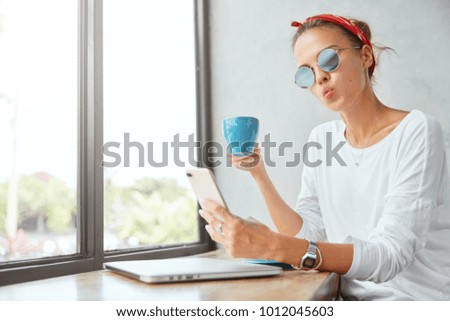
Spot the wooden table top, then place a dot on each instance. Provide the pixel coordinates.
(106, 285)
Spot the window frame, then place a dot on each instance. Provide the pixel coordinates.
(91, 254)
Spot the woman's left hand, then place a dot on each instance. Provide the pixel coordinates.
(241, 238)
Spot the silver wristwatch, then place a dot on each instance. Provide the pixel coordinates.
(310, 258)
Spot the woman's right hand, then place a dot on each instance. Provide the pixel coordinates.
(252, 163)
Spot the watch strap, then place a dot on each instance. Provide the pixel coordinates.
(309, 260)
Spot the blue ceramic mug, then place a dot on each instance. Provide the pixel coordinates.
(241, 133)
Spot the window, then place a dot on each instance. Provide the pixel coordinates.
(149, 97)
(95, 73)
(38, 123)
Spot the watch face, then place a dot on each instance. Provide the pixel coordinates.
(309, 263)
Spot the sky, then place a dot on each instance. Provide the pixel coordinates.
(149, 82)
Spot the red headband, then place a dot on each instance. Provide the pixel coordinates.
(346, 24)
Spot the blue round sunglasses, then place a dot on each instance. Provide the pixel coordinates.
(328, 60)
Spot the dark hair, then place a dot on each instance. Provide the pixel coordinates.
(354, 40)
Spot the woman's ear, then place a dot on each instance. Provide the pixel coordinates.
(366, 55)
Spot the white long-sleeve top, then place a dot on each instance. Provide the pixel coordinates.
(394, 207)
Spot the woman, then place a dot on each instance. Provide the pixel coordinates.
(382, 219)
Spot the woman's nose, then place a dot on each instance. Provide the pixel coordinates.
(320, 75)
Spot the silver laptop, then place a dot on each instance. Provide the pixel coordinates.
(190, 269)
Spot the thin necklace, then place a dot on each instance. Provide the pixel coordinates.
(357, 162)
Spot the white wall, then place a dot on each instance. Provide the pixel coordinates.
(253, 69)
